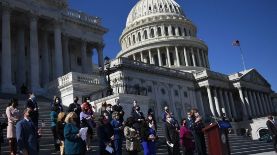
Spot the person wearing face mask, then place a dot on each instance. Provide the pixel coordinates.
(118, 108)
(26, 128)
(138, 117)
(105, 135)
(165, 113)
(186, 138)
(171, 136)
(73, 143)
(33, 106)
(152, 137)
(75, 107)
(108, 111)
(118, 133)
(198, 134)
(57, 102)
(12, 116)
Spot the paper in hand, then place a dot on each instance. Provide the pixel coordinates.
(83, 133)
(170, 144)
(109, 149)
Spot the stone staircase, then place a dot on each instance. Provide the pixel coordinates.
(239, 145)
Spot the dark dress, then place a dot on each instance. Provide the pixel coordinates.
(172, 136)
(119, 109)
(104, 133)
(199, 137)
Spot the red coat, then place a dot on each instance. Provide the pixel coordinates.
(186, 138)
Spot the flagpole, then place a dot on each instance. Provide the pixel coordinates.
(242, 58)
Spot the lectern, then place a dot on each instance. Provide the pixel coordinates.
(216, 139)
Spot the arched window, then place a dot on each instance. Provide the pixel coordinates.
(173, 30)
(159, 31)
(166, 31)
(139, 37)
(145, 34)
(152, 35)
(134, 39)
(185, 32)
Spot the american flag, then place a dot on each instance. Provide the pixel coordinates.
(236, 43)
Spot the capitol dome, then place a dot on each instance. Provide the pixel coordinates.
(158, 32)
(145, 8)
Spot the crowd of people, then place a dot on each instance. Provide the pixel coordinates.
(73, 130)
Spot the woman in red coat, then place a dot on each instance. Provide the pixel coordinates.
(186, 139)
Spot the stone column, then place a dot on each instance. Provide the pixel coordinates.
(199, 58)
(45, 58)
(134, 57)
(211, 100)
(21, 65)
(159, 57)
(168, 57)
(66, 58)
(222, 101)
(234, 110)
(217, 103)
(170, 30)
(207, 60)
(253, 103)
(270, 103)
(228, 109)
(163, 30)
(186, 56)
(84, 56)
(256, 103)
(177, 56)
(34, 55)
(6, 75)
(100, 56)
(150, 57)
(265, 105)
(259, 104)
(193, 57)
(203, 58)
(245, 114)
(249, 111)
(141, 56)
(58, 50)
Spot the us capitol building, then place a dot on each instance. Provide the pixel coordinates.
(48, 48)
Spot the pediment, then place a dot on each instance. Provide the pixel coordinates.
(254, 77)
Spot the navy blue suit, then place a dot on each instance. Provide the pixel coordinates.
(27, 137)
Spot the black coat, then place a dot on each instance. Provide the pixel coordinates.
(75, 107)
(171, 134)
(136, 116)
(119, 109)
(271, 128)
(104, 133)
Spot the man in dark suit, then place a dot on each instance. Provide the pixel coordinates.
(75, 107)
(118, 108)
(33, 106)
(27, 135)
(171, 136)
(138, 117)
(270, 123)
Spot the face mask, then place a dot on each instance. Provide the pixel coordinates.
(150, 118)
(33, 97)
(76, 100)
(108, 109)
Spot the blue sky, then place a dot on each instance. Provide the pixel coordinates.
(219, 22)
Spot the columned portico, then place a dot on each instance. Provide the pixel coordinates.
(234, 110)
(159, 57)
(177, 56)
(66, 58)
(259, 104)
(186, 56)
(193, 57)
(168, 57)
(84, 56)
(228, 108)
(248, 107)
(6, 78)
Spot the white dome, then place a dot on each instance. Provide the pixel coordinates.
(146, 8)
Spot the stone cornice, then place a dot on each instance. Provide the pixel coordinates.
(125, 63)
